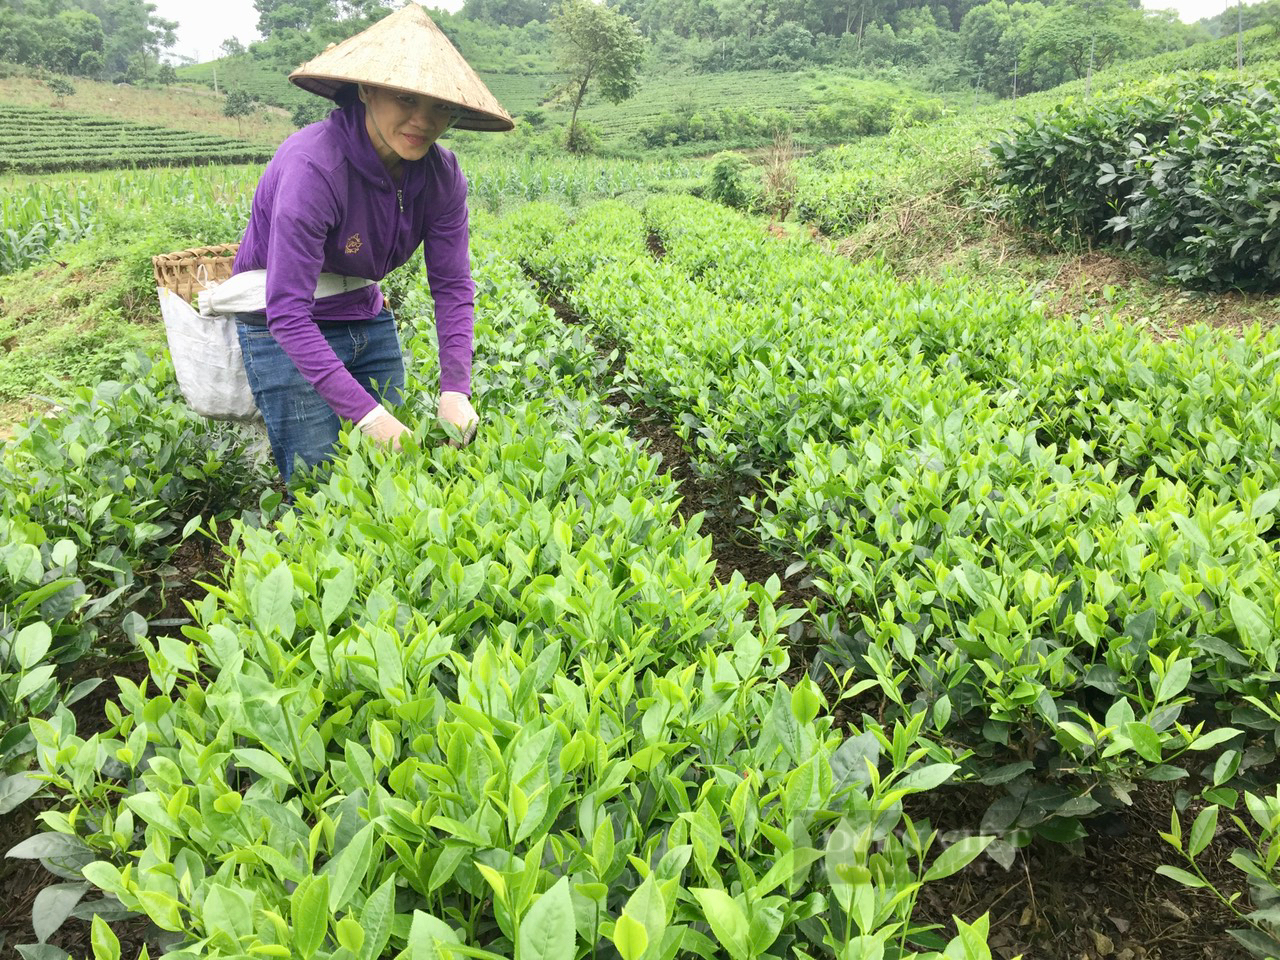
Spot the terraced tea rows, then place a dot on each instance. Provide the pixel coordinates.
(35, 140)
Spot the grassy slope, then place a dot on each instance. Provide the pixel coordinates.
(72, 317)
(182, 107)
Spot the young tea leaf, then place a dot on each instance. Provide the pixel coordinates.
(728, 921)
(1202, 831)
(106, 946)
(629, 937)
(956, 857)
(547, 930)
(309, 911)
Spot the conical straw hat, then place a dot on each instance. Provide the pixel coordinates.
(406, 51)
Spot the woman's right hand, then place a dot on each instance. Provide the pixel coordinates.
(383, 426)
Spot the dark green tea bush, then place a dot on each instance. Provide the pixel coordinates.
(726, 181)
(1186, 169)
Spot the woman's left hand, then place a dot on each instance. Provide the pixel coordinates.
(455, 408)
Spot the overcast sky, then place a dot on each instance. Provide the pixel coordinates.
(203, 26)
(1192, 10)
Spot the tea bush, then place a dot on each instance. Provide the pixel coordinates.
(1055, 542)
(490, 702)
(1185, 169)
(99, 495)
(726, 184)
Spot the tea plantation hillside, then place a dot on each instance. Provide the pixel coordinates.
(260, 80)
(190, 107)
(742, 108)
(517, 92)
(706, 111)
(841, 189)
(35, 140)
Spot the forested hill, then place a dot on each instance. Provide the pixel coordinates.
(941, 44)
(99, 39)
(996, 47)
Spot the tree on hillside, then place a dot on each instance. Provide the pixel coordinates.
(130, 28)
(58, 33)
(1241, 17)
(277, 15)
(1075, 38)
(310, 111)
(166, 74)
(72, 33)
(992, 37)
(61, 88)
(280, 16)
(594, 43)
(138, 70)
(91, 63)
(510, 13)
(239, 104)
(20, 41)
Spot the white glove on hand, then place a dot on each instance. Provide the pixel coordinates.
(380, 424)
(455, 408)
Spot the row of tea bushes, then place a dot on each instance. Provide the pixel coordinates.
(489, 702)
(1184, 168)
(1070, 571)
(99, 494)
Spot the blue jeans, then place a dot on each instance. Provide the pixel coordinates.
(300, 424)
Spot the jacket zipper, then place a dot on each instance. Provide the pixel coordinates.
(386, 268)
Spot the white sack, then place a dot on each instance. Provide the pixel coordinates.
(206, 347)
(207, 361)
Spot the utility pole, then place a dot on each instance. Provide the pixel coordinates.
(1239, 36)
(215, 77)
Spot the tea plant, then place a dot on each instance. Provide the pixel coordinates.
(100, 495)
(1258, 860)
(1184, 169)
(493, 697)
(1055, 543)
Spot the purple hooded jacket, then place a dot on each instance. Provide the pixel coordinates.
(326, 203)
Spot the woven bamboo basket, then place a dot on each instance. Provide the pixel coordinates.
(187, 272)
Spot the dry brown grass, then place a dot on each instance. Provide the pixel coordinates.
(778, 176)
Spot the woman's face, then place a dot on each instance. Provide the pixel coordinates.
(403, 126)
